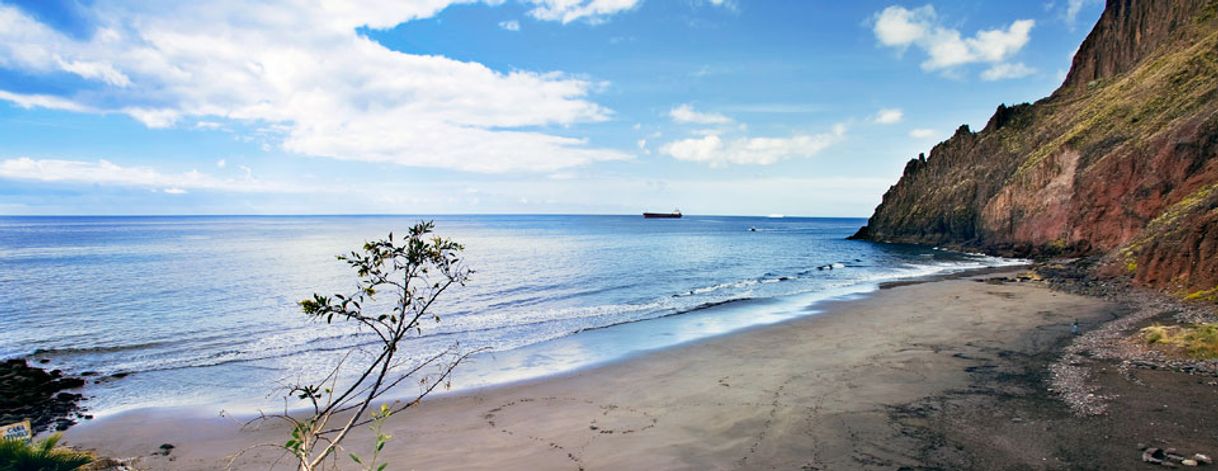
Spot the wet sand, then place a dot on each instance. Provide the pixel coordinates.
(829, 391)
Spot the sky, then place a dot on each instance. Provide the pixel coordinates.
(742, 107)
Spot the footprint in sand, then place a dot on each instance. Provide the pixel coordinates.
(538, 420)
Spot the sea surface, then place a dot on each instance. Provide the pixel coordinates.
(201, 311)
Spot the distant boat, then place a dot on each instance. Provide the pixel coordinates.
(775, 216)
(675, 214)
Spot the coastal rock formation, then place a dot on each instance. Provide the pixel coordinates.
(42, 397)
(1121, 160)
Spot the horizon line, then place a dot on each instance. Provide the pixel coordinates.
(129, 215)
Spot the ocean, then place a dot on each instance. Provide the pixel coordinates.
(201, 311)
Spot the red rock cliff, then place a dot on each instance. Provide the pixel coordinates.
(1121, 160)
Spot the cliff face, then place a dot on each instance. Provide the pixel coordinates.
(1121, 160)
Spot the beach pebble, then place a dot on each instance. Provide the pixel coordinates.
(1200, 458)
(1188, 462)
(105, 464)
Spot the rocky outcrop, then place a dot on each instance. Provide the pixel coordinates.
(1121, 160)
(1128, 32)
(40, 396)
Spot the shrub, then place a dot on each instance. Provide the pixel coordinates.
(1154, 334)
(43, 455)
(1197, 340)
(410, 274)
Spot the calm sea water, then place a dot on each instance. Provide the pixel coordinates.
(202, 310)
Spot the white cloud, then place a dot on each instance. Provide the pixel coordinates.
(1006, 71)
(686, 114)
(95, 70)
(946, 48)
(566, 11)
(729, 5)
(899, 27)
(717, 152)
(510, 25)
(923, 133)
(104, 172)
(42, 101)
(221, 163)
(888, 116)
(325, 89)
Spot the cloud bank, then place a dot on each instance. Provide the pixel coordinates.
(309, 75)
(103, 172)
(716, 151)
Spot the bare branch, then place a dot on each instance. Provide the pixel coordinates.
(418, 270)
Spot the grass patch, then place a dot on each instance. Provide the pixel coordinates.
(42, 455)
(1208, 295)
(1132, 107)
(1196, 340)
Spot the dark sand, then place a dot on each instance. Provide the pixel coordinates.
(938, 375)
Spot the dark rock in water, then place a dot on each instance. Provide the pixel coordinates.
(864, 233)
(29, 392)
(124, 374)
(165, 449)
(71, 383)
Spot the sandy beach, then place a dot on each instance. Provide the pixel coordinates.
(820, 392)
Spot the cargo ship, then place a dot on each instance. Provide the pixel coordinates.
(675, 214)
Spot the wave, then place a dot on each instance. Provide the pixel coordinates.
(68, 351)
(510, 329)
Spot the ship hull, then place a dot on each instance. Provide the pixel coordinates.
(662, 215)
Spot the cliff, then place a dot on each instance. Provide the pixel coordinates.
(1120, 160)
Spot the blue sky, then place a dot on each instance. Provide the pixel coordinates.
(505, 106)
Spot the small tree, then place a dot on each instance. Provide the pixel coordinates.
(414, 272)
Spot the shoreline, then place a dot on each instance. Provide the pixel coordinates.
(885, 323)
(521, 365)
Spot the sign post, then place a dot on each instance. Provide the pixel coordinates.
(18, 431)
